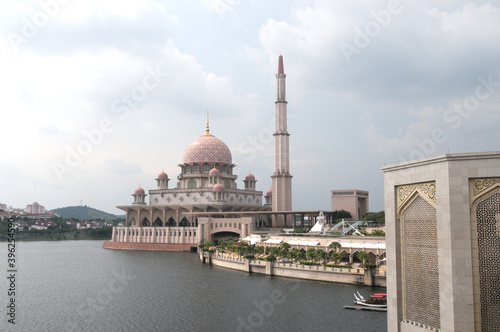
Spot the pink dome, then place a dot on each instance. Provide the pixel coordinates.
(162, 175)
(218, 187)
(269, 192)
(207, 149)
(250, 177)
(139, 191)
(214, 172)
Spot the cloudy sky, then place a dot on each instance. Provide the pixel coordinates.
(98, 96)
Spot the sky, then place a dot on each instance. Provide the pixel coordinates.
(99, 96)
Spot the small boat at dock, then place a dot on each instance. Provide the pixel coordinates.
(376, 300)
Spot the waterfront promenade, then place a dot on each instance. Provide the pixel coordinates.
(357, 276)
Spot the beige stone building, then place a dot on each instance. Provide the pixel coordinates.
(443, 243)
(354, 201)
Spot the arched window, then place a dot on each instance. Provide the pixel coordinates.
(170, 222)
(224, 169)
(206, 168)
(191, 184)
(145, 222)
(157, 222)
(184, 222)
(227, 184)
(188, 168)
(196, 168)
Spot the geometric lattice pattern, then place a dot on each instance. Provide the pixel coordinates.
(207, 148)
(488, 240)
(427, 190)
(420, 264)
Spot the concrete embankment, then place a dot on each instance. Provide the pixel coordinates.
(148, 246)
(367, 277)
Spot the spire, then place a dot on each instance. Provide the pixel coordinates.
(207, 130)
(280, 65)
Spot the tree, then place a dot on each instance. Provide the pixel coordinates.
(335, 245)
(209, 243)
(321, 254)
(311, 254)
(341, 214)
(363, 256)
(259, 250)
(294, 253)
(335, 256)
(284, 253)
(274, 251)
(378, 217)
(344, 255)
(377, 232)
(285, 246)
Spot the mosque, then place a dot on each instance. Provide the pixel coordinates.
(207, 187)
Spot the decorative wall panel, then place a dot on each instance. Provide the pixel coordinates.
(419, 249)
(488, 246)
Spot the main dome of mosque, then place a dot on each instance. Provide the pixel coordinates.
(207, 149)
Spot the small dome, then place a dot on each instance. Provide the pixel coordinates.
(162, 175)
(269, 193)
(250, 177)
(214, 172)
(139, 191)
(218, 187)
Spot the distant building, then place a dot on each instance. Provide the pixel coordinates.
(351, 200)
(35, 208)
(20, 224)
(43, 225)
(443, 243)
(3, 207)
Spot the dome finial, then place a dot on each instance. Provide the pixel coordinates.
(207, 130)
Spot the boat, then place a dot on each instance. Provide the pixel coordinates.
(376, 300)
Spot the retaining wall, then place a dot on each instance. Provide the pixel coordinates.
(147, 246)
(319, 273)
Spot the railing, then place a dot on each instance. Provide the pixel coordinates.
(297, 266)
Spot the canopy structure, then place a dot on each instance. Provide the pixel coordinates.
(273, 241)
(363, 245)
(252, 240)
(303, 243)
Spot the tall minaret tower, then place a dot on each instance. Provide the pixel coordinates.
(281, 179)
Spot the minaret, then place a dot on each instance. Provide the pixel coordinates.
(281, 179)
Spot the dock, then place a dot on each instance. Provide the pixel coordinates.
(360, 307)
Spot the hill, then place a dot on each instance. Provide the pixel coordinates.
(84, 212)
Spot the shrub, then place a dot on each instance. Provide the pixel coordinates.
(370, 266)
(204, 249)
(271, 258)
(309, 263)
(211, 250)
(340, 266)
(261, 258)
(249, 256)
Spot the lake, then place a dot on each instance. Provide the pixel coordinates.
(78, 286)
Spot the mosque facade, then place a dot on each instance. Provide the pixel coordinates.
(207, 184)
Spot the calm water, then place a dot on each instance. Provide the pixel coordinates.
(78, 286)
